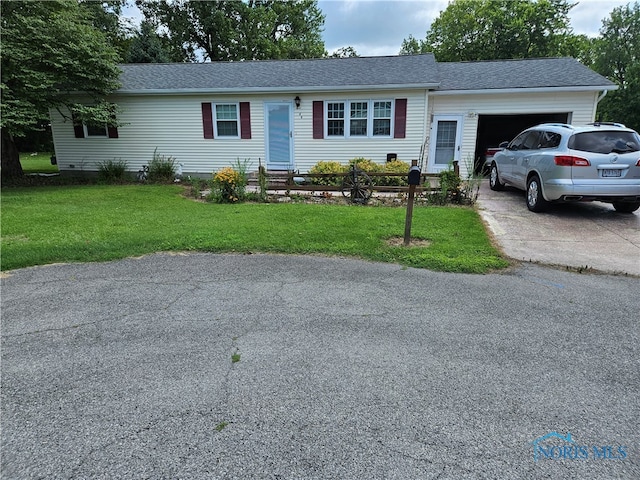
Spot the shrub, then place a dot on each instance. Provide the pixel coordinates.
(228, 186)
(328, 167)
(395, 166)
(162, 168)
(112, 170)
(366, 165)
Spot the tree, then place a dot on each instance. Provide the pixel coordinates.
(147, 46)
(344, 52)
(42, 69)
(105, 16)
(618, 58)
(235, 30)
(469, 30)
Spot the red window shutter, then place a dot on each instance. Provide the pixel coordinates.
(318, 119)
(207, 120)
(78, 129)
(400, 121)
(112, 131)
(245, 120)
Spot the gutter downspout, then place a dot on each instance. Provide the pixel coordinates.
(602, 95)
(595, 110)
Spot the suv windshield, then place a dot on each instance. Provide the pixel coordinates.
(605, 142)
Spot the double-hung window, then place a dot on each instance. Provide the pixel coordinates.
(382, 118)
(226, 120)
(366, 118)
(335, 119)
(358, 119)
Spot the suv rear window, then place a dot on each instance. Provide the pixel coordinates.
(605, 142)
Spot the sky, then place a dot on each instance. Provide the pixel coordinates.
(378, 27)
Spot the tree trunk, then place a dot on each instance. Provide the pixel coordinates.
(10, 164)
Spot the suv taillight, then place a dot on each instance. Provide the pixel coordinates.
(638, 163)
(571, 161)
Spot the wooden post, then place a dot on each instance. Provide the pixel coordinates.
(409, 217)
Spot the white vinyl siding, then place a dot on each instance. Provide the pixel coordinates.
(173, 125)
(580, 105)
(170, 123)
(309, 151)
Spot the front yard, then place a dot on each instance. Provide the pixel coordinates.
(42, 225)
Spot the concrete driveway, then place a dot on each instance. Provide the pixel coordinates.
(584, 236)
(211, 366)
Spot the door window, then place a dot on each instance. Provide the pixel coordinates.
(446, 141)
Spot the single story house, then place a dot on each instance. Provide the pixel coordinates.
(291, 114)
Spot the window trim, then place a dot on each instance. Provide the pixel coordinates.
(370, 102)
(215, 120)
(105, 129)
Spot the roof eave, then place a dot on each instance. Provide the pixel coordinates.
(488, 91)
(288, 89)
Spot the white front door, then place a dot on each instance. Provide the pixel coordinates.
(446, 132)
(279, 135)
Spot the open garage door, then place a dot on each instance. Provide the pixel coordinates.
(494, 129)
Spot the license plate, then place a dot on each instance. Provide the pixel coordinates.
(611, 173)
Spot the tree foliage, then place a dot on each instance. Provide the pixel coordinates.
(618, 58)
(105, 16)
(50, 50)
(470, 30)
(235, 30)
(147, 46)
(345, 52)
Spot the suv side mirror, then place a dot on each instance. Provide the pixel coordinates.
(504, 145)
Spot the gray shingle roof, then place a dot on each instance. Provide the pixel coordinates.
(273, 75)
(527, 73)
(330, 74)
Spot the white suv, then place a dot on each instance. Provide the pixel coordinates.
(559, 162)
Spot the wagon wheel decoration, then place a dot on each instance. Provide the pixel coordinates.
(357, 186)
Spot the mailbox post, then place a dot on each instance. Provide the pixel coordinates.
(414, 179)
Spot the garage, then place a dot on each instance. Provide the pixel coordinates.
(495, 129)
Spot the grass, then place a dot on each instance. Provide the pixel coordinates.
(38, 163)
(87, 223)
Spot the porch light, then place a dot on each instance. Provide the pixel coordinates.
(297, 100)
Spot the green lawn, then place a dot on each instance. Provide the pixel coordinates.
(38, 163)
(43, 225)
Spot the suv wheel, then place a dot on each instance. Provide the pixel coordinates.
(535, 200)
(626, 207)
(494, 179)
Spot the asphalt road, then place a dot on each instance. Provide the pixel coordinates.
(262, 366)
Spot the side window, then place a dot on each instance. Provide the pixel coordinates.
(532, 142)
(95, 130)
(550, 140)
(517, 143)
(226, 120)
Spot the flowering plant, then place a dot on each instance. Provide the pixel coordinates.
(228, 185)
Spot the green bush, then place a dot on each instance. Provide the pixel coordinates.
(395, 166)
(162, 168)
(366, 165)
(328, 167)
(112, 171)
